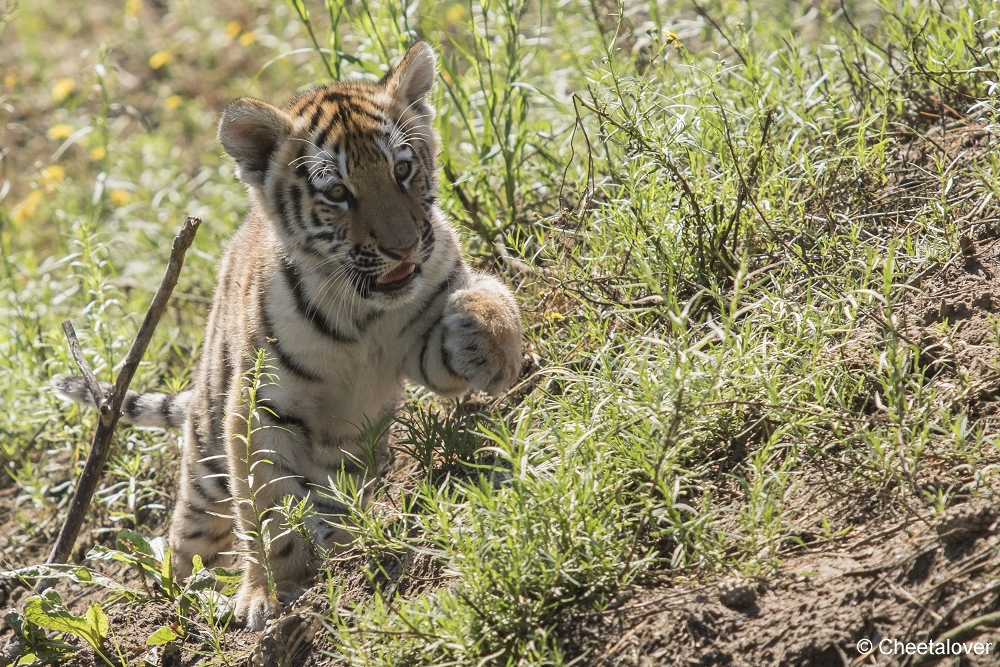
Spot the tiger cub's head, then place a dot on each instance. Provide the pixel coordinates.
(346, 173)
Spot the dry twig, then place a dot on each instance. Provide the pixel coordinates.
(81, 362)
(110, 407)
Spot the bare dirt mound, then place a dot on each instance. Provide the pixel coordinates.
(955, 320)
(917, 581)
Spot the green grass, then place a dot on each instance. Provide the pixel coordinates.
(697, 193)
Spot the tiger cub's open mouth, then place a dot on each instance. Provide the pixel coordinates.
(397, 278)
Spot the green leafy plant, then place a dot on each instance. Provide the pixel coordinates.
(150, 558)
(208, 593)
(447, 444)
(48, 611)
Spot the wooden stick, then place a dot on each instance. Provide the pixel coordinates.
(81, 363)
(111, 406)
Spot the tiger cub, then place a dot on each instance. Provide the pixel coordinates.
(348, 275)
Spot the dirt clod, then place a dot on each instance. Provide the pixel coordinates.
(963, 522)
(737, 593)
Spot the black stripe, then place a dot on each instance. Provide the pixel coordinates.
(285, 211)
(349, 466)
(200, 490)
(286, 550)
(306, 307)
(441, 287)
(317, 113)
(303, 173)
(373, 115)
(327, 506)
(280, 205)
(316, 222)
(194, 480)
(128, 405)
(212, 536)
(215, 464)
(446, 360)
(204, 425)
(423, 356)
(286, 421)
(295, 194)
(352, 106)
(215, 539)
(328, 236)
(339, 115)
(334, 120)
(286, 474)
(362, 283)
(334, 95)
(158, 403)
(286, 361)
(194, 512)
(219, 472)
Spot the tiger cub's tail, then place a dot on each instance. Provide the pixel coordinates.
(150, 410)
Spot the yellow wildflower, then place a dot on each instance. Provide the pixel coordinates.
(173, 102)
(455, 13)
(53, 173)
(62, 89)
(160, 58)
(60, 131)
(119, 197)
(10, 81)
(233, 28)
(98, 153)
(28, 208)
(247, 38)
(132, 7)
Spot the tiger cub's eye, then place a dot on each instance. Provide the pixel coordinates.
(337, 192)
(402, 169)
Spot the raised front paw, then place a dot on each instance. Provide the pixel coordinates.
(482, 336)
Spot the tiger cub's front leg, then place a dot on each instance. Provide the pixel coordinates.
(275, 569)
(481, 337)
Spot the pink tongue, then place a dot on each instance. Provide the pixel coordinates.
(398, 273)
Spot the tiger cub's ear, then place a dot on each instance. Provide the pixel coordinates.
(250, 131)
(412, 77)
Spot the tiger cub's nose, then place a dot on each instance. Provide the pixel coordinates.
(400, 253)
